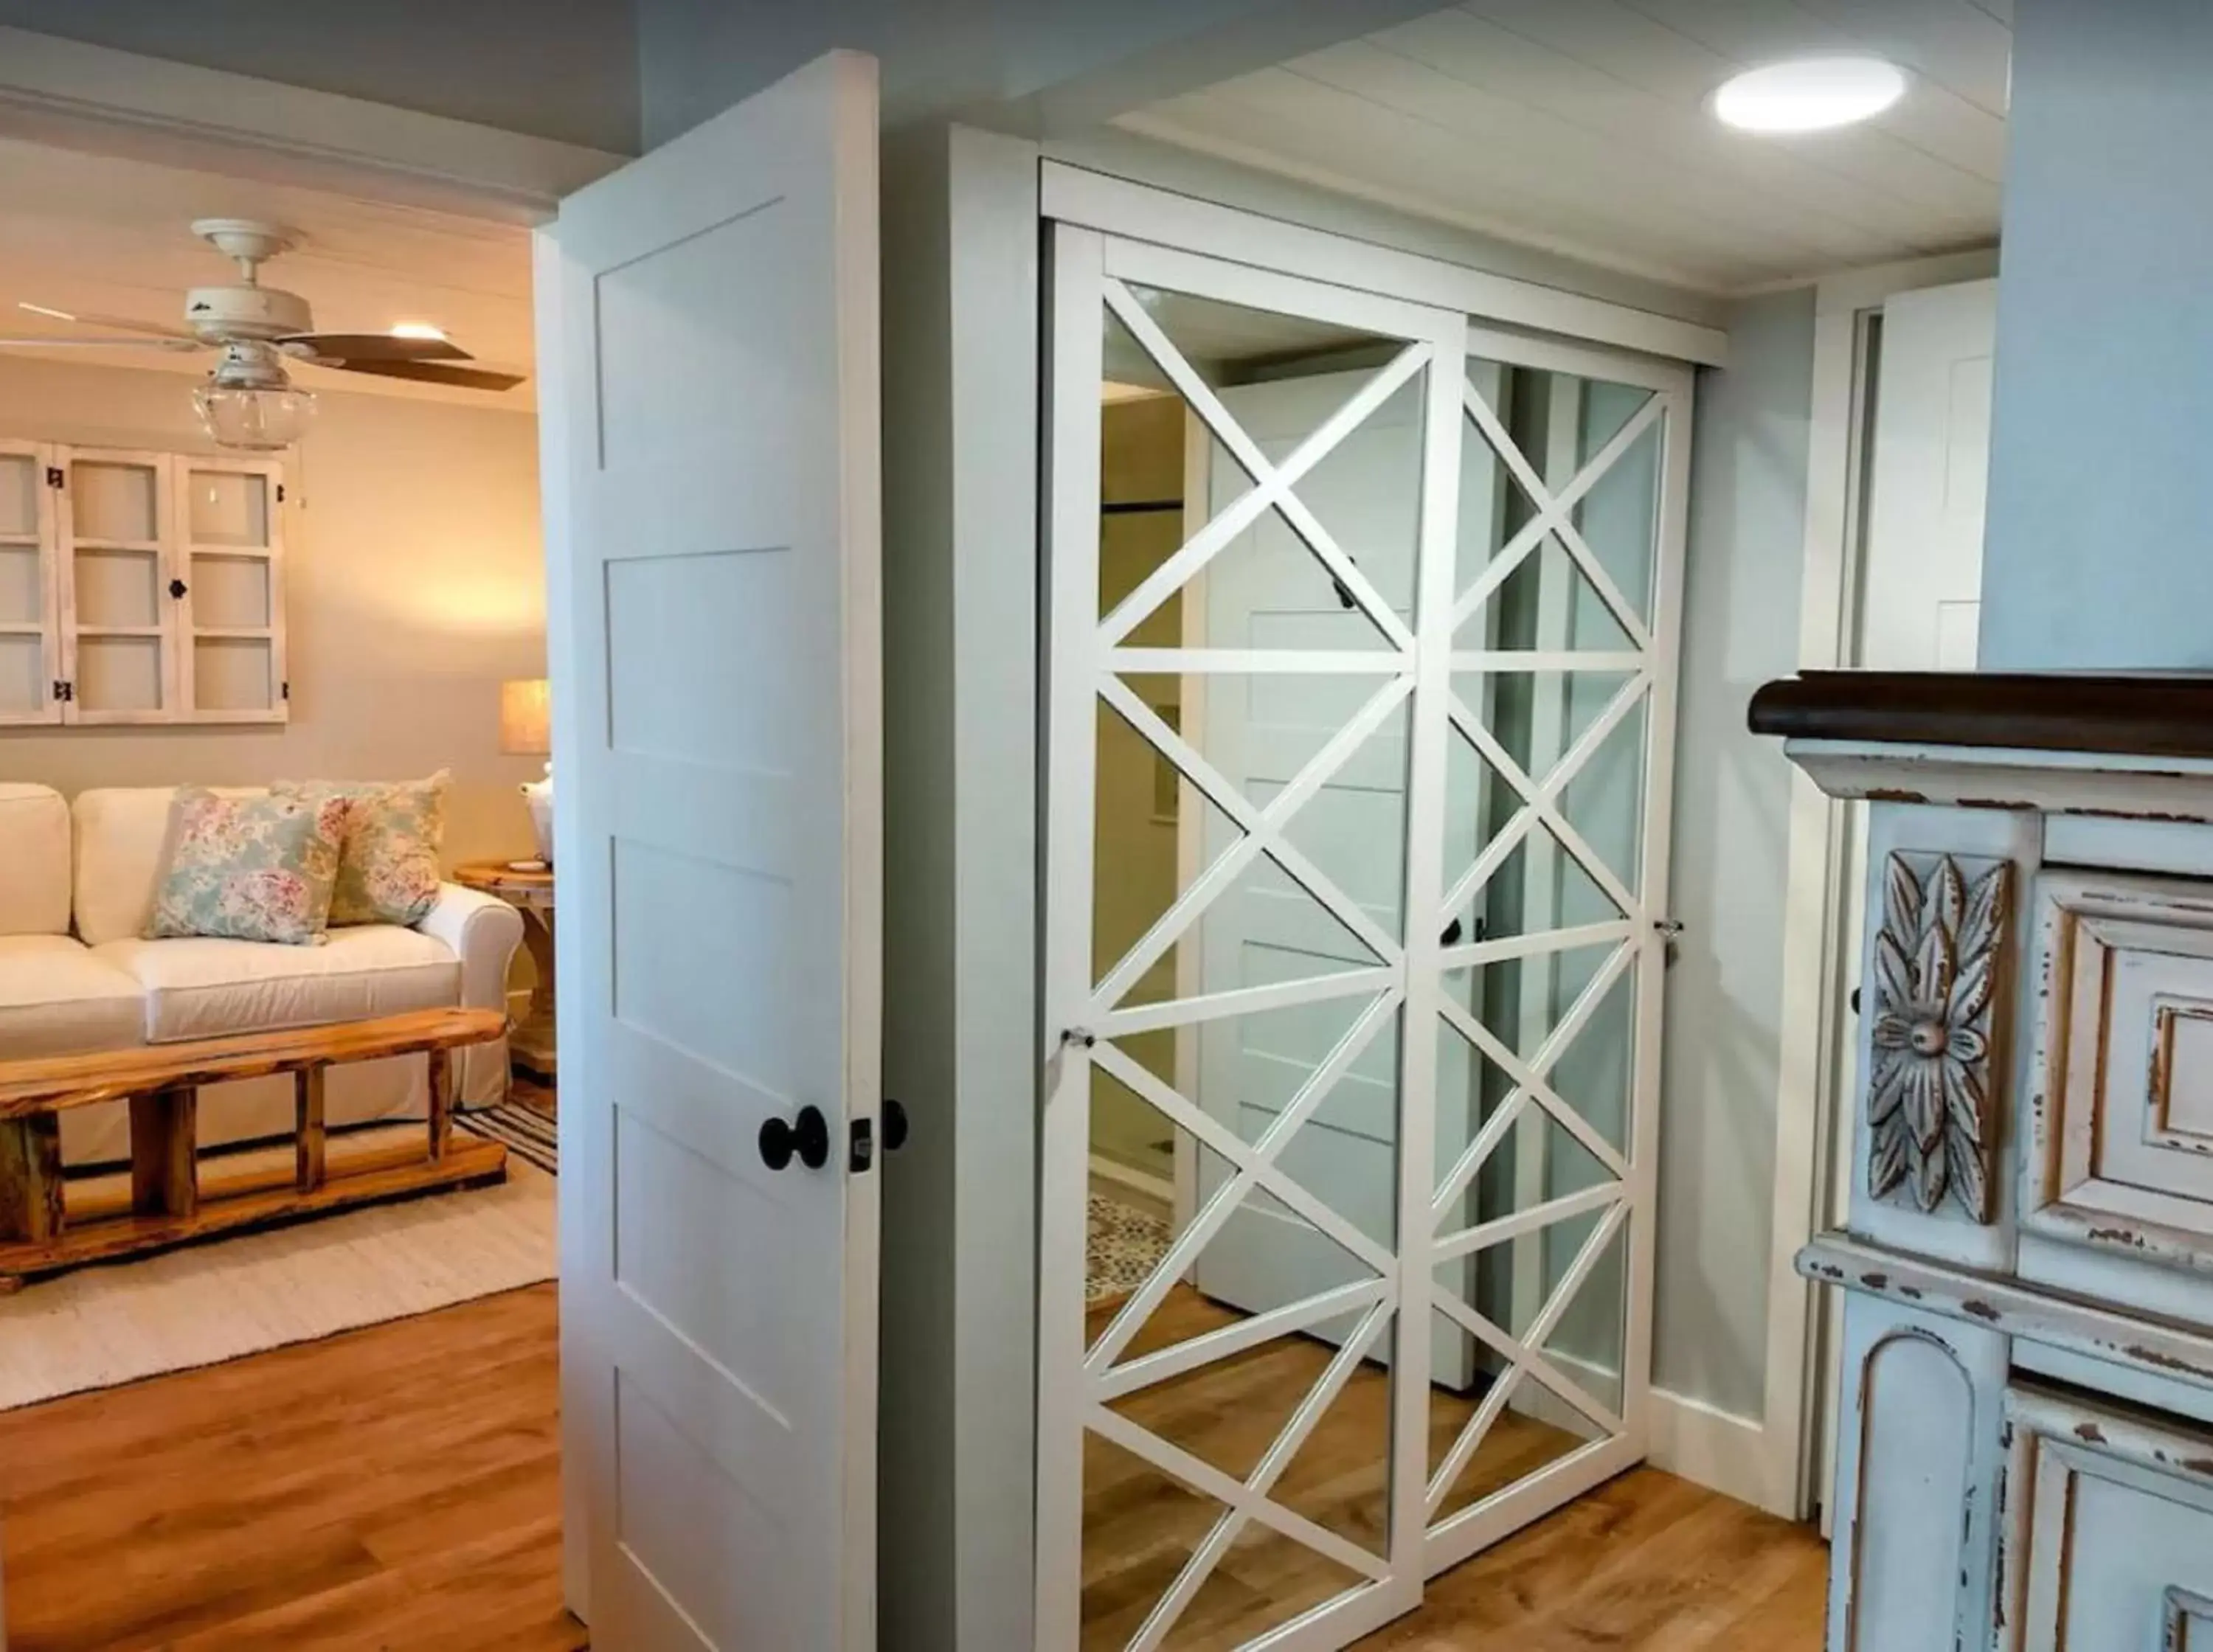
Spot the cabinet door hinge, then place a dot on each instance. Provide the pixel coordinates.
(284, 690)
(55, 479)
(280, 493)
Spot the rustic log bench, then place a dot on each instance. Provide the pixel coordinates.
(174, 1197)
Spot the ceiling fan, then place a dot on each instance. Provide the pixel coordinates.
(249, 400)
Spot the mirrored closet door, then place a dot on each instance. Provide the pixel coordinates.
(1360, 655)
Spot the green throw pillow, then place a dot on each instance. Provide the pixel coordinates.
(388, 869)
(247, 868)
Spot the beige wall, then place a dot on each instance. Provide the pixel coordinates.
(417, 583)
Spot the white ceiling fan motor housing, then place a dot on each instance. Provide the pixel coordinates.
(219, 313)
(247, 310)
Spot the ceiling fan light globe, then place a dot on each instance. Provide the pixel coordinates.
(253, 420)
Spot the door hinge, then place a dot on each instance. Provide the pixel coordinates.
(864, 1156)
(55, 479)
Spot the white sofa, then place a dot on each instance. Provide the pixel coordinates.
(77, 887)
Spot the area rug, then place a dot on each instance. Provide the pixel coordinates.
(99, 1327)
(529, 1133)
(1124, 1244)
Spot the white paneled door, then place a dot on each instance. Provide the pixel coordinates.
(707, 336)
(1409, 682)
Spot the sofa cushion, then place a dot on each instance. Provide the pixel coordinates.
(34, 861)
(198, 988)
(119, 832)
(57, 998)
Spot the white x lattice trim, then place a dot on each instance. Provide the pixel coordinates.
(1539, 1065)
(1525, 1358)
(1255, 1166)
(1271, 482)
(1538, 1090)
(1262, 1480)
(1554, 517)
(1540, 802)
(1264, 835)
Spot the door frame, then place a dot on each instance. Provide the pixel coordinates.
(1085, 214)
(1812, 1060)
(94, 99)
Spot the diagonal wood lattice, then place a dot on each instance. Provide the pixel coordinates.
(1390, 1288)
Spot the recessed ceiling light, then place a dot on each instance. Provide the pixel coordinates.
(417, 329)
(1809, 94)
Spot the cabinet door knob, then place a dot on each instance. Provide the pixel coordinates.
(895, 1126)
(177, 588)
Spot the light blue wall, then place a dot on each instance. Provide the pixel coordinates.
(1729, 861)
(2099, 533)
(559, 69)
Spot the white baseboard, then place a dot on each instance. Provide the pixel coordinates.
(1713, 1448)
(1690, 1439)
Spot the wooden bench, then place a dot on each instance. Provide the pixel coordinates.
(173, 1197)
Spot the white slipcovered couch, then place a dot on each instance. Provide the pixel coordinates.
(77, 887)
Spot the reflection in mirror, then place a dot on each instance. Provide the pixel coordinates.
(1249, 840)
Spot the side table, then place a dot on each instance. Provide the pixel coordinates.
(531, 1043)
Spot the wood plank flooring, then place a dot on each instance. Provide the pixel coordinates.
(1647, 1561)
(392, 1488)
(398, 1488)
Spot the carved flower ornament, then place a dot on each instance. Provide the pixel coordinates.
(1936, 968)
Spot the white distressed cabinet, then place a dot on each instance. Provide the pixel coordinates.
(2025, 1459)
(140, 587)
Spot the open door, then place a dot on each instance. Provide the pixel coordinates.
(708, 328)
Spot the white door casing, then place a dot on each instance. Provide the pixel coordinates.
(708, 359)
(1385, 1311)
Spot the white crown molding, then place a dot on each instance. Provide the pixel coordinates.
(90, 97)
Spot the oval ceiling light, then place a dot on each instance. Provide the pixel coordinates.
(417, 329)
(1809, 95)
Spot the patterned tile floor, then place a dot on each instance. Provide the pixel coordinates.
(1124, 1243)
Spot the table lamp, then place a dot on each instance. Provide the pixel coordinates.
(525, 729)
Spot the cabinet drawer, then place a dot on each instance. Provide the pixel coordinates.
(2120, 1144)
(2112, 1545)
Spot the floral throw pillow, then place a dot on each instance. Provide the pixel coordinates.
(388, 870)
(247, 868)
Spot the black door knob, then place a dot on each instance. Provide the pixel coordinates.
(807, 1135)
(894, 1126)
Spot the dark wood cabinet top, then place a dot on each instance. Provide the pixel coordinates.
(2151, 714)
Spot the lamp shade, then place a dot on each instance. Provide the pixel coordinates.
(525, 718)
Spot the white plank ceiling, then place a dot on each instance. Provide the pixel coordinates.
(101, 234)
(1580, 126)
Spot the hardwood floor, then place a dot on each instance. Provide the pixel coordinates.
(1646, 1562)
(398, 1488)
(392, 1488)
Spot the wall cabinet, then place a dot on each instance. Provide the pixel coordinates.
(139, 587)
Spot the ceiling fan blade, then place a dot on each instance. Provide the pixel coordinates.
(468, 378)
(375, 347)
(121, 323)
(50, 341)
